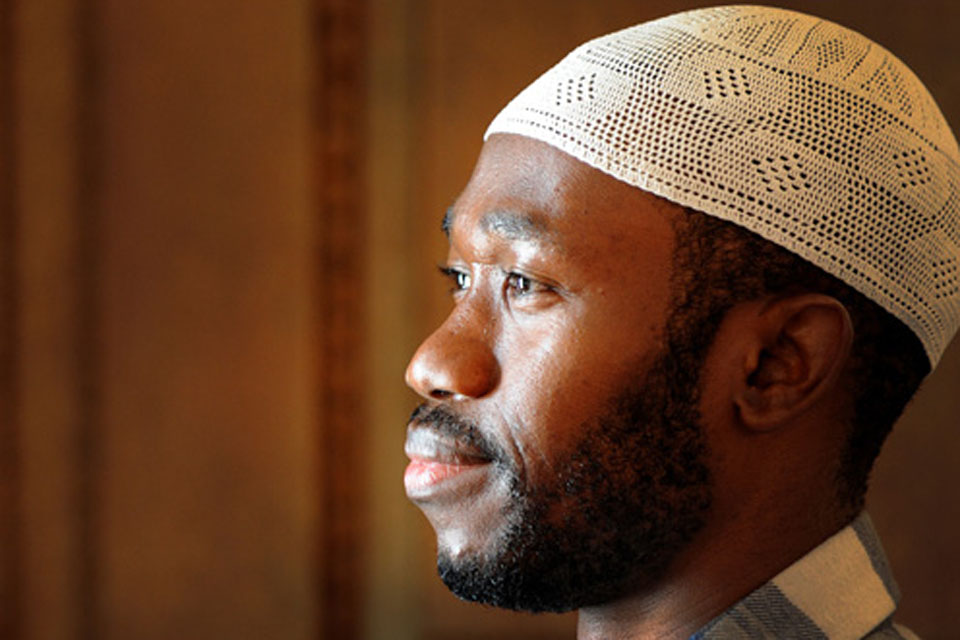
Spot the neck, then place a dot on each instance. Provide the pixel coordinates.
(722, 565)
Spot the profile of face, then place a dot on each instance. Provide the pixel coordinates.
(558, 453)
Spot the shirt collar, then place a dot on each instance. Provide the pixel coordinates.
(841, 589)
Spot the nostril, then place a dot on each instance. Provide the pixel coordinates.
(450, 365)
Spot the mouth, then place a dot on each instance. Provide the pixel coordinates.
(441, 466)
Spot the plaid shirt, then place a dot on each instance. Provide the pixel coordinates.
(841, 589)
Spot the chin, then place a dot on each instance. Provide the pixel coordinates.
(461, 546)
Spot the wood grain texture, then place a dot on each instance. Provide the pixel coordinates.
(158, 333)
(56, 98)
(341, 33)
(206, 303)
(10, 531)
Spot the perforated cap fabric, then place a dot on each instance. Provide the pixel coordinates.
(796, 128)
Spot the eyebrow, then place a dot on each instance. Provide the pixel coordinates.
(512, 225)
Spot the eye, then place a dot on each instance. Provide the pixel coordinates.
(459, 280)
(519, 285)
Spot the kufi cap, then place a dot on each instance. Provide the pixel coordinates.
(793, 127)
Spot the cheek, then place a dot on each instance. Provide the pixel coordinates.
(560, 370)
(539, 358)
(553, 381)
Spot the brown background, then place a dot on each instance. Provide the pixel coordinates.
(218, 230)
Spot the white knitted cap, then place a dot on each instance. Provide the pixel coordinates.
(796, 128)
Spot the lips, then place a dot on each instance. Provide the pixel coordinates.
(441, 464)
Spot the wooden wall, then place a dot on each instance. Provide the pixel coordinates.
(159, 320)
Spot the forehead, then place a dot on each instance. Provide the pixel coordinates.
(523, 190)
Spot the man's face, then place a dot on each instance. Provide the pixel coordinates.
(558, 455)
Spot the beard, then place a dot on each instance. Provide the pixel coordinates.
(623, 502)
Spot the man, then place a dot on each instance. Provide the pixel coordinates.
(701, 266)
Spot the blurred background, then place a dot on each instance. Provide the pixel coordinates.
(218, 229)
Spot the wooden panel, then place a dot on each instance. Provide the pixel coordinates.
(158, 351)
(343, 385)
(54, 415)
(914, 500)
(10, 531)
(206, 503)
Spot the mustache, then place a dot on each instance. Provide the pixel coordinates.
(446, 422)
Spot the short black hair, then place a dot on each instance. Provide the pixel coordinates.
(718, 264)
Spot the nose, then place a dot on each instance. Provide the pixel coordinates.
(454, 361)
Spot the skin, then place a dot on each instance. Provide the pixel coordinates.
(562, 290)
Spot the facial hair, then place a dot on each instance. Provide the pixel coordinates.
(624, 501)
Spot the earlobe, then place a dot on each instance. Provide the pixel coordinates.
(801, 347)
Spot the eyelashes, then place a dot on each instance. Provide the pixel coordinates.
(522, 285)
(459, 279)
(515, 284)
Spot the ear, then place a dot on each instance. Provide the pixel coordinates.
(797, 351)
